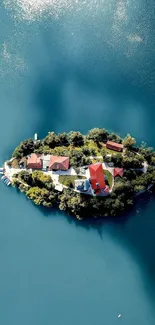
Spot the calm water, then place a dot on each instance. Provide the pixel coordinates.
(65, 65)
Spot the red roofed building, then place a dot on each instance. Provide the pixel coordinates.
(114, 146)
(34, 161)
(59, 163)
(118, 172)
(97, 177)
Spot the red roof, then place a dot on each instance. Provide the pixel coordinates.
(118, 172)
(59, 162)
(114, 144)
(97, 176)
(34, 161)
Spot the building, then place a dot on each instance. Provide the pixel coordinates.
(59, 163)
(82, 185)
(46, 161)
(114, 146)
(118, 172)
(97, 177)
(34, 161)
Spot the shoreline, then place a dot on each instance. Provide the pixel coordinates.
(115, 172)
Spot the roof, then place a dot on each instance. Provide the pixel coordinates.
(118, 172)
(115, 144)
(34, 159)
(64, 161)
(97, 176)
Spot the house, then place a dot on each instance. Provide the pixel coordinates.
(97, 177)
(46, 162)
(82, 185)
(114, 146)
(118, 172)
(34, 161)
(59, 163)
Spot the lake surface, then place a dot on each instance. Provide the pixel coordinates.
(73, 65)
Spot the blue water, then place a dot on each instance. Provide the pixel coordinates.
(67, 65)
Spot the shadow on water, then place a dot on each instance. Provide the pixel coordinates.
(134, 231)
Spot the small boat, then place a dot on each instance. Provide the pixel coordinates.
(119, 316)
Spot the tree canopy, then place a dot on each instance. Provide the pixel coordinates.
(129, 141)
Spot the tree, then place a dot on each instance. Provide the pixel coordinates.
(153, 161)
(86, 151)
(115, 138)
(61, 151)
(51, 140)
(25, 148)
(63, 139)
(129, 141)
(76, 139)
(76, 157)
(41, 196)
(139, 188)
(41, 180)
(147, 153)
(26, 177)
(117, 160)
(129, 162)
(98, 135)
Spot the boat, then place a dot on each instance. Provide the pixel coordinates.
(119, 316)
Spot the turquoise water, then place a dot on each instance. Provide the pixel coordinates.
(75, 65)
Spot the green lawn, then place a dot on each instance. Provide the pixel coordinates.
(69, 180)
(109, 176)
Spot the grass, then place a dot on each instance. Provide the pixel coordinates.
(69, 180)
(92, 145)
(15, 163)
(109, 177)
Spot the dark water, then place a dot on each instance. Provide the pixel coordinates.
(75, 65)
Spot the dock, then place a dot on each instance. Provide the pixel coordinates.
(5, 179)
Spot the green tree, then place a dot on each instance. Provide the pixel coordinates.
(76, 158)
(139, 188)
(129, 142)
(63, 139)
(25, 177)
(147, 153)
(115, 138)
(25, 148)
(152, 161)
(51, 140)
(98, 135)
(76, 139)
(86, 151)
(41, 180)
(41, 196)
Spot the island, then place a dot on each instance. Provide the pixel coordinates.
(94, 175)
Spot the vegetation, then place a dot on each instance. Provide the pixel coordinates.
(69, 180)
(84, 150)
(129, 142)
(108, 176)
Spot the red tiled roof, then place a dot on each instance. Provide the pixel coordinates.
(114, 144)
(97, 176)
(59, 162)
(34, 161)
(118, 172)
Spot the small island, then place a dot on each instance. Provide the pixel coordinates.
(98, 174)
